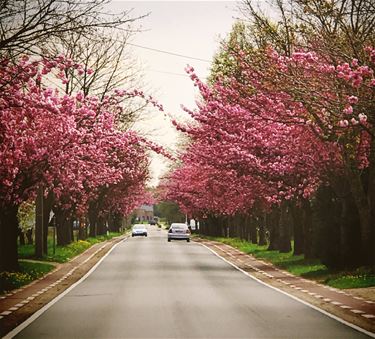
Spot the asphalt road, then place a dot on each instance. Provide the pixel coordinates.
(149, 288)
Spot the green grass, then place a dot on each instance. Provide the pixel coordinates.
(309, 269)
(359, 278)
(64, 253)
(28, 272)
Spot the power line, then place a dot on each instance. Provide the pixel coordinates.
(170, 53)
(171, 73)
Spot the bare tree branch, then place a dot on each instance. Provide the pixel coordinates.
(26, 25)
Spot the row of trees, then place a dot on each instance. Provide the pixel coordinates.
(284, 133)
(64, 123)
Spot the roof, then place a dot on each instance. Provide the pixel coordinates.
(149, 208)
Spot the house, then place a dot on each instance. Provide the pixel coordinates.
(144, 213)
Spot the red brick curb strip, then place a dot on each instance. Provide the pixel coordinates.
(20, 304)
(351, 309)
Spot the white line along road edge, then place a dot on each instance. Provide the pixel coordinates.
(38, 313)
(372, 335)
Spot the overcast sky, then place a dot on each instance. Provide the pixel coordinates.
(190, 28)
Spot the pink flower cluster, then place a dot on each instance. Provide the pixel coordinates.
(67, 144)
(274, 133)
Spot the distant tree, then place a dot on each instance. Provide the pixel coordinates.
(26, 215)
(170, 211)
(224, 63)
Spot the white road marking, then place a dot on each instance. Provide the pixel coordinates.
(368, 316)
(357, 311)
(372, 335)
(37, 314)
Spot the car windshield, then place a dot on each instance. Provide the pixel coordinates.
(138, 227)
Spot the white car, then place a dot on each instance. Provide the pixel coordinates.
(179, 231)
(139, 230)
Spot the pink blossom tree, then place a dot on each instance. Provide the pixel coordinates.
(268, 127)
(66, 146)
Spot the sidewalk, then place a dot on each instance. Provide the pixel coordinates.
(348, 307)
(20, 304)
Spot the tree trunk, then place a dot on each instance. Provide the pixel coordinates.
(362, 203)
(262, 230)
(93, 219)
(236, 224)
(248, 228)
(114, 223)
(47, 207)
(111, 222)
(344, 246)
(284, 229)
(308, 230)
(82, 230)
(21, 235)
(224, 227)
(101, 226)
(71, 227)
(203, 226)
(371, 196)
(253, 230)
(231, 226)
(39, 227)
(208, 225)
(63, 228)
(274, 219)
(29, 236)
(299, 241)
(8, 238)
(243, 227)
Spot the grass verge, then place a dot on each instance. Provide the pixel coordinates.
(299, 266)
(64, 253)
(28, 272)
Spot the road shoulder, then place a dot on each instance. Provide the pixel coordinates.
(346, 305)
(20, 304)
